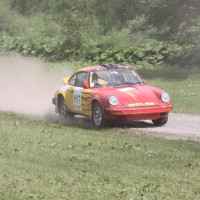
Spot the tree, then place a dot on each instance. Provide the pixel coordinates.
(29, 7)
(174, 18)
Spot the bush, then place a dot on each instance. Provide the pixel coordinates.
(11, 23)
(52, 49)
(156, 53)
(190, 57)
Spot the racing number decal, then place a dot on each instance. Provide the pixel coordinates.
(77, 99)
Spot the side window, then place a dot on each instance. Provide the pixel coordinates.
(72, 81)
(81, 78)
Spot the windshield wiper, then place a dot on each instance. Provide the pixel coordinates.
(128, 83)
(117, 84)
(133, 83)
(122, 84)
(139, 82)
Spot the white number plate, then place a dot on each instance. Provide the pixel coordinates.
(77, 99)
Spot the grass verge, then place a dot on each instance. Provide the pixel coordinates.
(182, 84)
(46, 160)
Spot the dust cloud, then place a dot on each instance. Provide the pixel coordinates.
(27, 85)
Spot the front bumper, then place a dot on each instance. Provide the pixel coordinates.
(137, 113)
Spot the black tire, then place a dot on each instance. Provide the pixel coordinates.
(161, 121)
(97, 117)
(63, 110)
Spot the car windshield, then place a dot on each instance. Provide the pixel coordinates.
(114, 77)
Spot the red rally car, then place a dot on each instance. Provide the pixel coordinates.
(109, 93)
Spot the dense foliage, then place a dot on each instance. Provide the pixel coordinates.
(121, 31)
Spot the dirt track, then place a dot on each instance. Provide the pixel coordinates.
(179, 126)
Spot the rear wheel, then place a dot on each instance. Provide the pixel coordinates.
(64, 112)
(97, 116)
(161, 121)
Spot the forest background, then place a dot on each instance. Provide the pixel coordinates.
(143, 32)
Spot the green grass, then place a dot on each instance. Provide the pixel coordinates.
(46, 160)
(182, 84)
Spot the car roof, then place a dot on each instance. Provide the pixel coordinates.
(103, 66)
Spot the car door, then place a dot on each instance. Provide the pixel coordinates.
(75, 92)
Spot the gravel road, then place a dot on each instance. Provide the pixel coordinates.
(179, 126)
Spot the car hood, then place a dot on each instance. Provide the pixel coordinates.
(133, 96)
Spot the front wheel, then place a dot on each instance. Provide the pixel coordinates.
(97, 116)
(161, 121)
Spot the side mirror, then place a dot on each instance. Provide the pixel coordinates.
(85, 85)
(65, 80)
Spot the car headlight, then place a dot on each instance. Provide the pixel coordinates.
(113, 100)
(165, 97)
